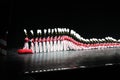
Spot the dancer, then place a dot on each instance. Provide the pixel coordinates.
(44, 41)
(48, 41)
(55, 40)
(25, 48)
(62, 39)
(26, 45)
(40, 40)
(36, 46)
(32, 47)
(51, 41)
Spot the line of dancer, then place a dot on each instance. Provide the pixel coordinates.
(63, 39)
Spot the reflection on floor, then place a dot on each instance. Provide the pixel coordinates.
(54, 61)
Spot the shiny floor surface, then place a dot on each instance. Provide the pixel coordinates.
(54, 61)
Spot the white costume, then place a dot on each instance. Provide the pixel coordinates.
(36, 46)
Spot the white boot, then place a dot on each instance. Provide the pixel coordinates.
(26, 45)
(36, 45)
(48, 44)
(44, 45)
(32, 46)
(61, 47)
(58, 44)
(55, 43)
(40, 45)
(51, 44)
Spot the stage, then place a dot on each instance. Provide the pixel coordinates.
(57, 61)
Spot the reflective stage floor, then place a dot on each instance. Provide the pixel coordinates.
(53, 61)
(15, 64)
(57, 61)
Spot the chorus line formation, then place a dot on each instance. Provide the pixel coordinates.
(62, 39)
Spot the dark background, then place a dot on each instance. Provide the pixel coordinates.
(89, 20)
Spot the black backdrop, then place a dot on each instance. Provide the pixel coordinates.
(89, 20)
